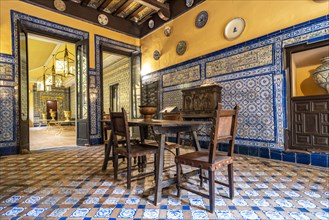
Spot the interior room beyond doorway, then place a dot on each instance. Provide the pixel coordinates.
(52, 96)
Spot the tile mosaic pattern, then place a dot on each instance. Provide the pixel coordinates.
(69, 183)
(118, 73)
(253, 58)
(6, 71)
(173, 98)
(255, 98)
(224, 68)
(181, 76)
(61, 95)
(7, 114)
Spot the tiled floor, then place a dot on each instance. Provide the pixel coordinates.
(69, 183)
(52, 136)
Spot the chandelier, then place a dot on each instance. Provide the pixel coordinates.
(63, 67)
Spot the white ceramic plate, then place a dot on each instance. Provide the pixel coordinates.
(103, 19)
(60, 5)
(234, 28)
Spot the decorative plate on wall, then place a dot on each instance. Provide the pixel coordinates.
(60, 5)
(103, 19)
(151, 24)
(156, 54)
(189, 3)
(167, 31)
(181, 47)
(201, 19)
(234, 28)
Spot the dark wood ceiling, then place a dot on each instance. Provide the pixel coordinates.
(130, 17)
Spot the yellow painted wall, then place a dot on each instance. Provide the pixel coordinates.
(262, 17)
(5, 24)
(304, 82)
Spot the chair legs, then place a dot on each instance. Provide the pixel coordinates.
(178, 173)
(115, 164)
(201, 178)
(129, 159)
(230, 179)
(212, 194)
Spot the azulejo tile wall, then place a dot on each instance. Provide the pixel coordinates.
(252, 75)
(7, 102)
(118, 73)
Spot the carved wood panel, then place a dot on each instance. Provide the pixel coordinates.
(310, 122)
(201, 101)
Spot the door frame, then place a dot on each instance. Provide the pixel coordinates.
(49, 30)
(122, 51)
(24, 127)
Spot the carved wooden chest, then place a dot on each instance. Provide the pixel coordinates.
(200, 102)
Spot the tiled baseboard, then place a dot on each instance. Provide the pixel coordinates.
(10, 150)
(309, 158)
(95, 141)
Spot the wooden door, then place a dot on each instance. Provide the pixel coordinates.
(51, 104)
(82, 93)
(23, 96)
(310, 123)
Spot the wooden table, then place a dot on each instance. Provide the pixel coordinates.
(162, 128)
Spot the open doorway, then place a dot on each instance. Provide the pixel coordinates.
(52, 96)
(121, 80)
(116, 82)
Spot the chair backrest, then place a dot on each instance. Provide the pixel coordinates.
(119, 124)
(223, 130)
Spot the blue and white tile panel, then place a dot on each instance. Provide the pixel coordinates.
(257, 85)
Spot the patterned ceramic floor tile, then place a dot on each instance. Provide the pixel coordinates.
(68, 182)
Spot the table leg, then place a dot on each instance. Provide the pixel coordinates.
(107, 152)
(196, 141)
(159, 170)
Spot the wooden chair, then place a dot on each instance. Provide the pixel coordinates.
(106, 127)
(131, 149)
(223, 130)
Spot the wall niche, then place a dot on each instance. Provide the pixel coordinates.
(307, 102)
(303, 65)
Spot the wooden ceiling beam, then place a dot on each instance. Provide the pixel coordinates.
(162, 9)
(146, 18)
(135, 13)
(123, 7)
(104, 5)
(91, 15)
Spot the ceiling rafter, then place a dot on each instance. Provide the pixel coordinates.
(136, 12)
(162, 9)
(125, 16)
(85, 2)
(123, 7)
(146, 18)
(104, 5)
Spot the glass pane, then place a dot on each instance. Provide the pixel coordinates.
(82, 83)
(23, 76)
(78, 83)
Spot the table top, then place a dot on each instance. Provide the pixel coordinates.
(161, 123)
